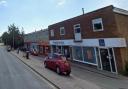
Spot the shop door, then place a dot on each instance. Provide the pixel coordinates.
(107, 59)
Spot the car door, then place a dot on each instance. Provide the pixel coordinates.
(53, 62)
(48, 62)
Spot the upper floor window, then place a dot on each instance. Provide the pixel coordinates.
(52, 33)
(77, 28)
(62, 31)
(97, 24)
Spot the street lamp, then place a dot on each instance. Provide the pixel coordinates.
(13, 38)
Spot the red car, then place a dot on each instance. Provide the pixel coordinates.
(34, 52)
(58, 63)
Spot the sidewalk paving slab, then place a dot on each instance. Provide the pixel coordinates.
(63, 82)
(101, 72)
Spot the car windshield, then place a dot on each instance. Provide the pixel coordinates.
(54, 55)
(63, 57)
(50, 55)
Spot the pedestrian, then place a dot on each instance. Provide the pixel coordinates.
(18, 50)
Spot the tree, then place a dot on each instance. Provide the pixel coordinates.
(5, 38)
(13, 36)
(0, 39)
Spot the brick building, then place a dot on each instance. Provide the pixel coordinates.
(38, 40)
(97, 38)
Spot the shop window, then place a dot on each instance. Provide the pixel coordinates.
(89, 55)
(53, 48)
(97, 24)
(62, 31)
(77, 53)
(41, 48)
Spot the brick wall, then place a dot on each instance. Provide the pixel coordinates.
(85, 21)
(122, 25)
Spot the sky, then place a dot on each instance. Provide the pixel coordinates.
(34, 15)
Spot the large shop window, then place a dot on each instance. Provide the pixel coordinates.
(54, 48)
(77, 53)
(89, 55)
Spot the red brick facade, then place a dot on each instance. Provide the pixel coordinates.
(114, 26)
(85, 22)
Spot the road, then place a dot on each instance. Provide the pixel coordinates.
(100, 80)
(103, 81)
(15, 75)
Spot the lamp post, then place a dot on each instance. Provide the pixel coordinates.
(13, 38)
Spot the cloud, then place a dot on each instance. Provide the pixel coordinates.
(118, 3)
(58, 3)
(3, 3)
(61, 2)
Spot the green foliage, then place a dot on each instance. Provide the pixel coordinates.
(13, 36)
(5, 37)
(0, 39)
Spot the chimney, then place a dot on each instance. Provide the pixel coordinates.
(83, 10)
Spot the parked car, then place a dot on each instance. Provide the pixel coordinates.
(8, 48)
(58, 63)
(34, 52)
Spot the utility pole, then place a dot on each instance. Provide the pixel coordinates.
(6, 41)
(13, 38)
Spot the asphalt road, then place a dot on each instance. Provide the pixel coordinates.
(15, 75)
(92, 77)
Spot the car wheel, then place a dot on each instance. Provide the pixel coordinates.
(45, 65)
(58, 70)
(68, 73)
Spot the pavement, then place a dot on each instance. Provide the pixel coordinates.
(81, 77)
(1, 44)
(15, 75)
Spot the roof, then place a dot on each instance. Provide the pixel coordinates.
(114, 9)
(120, 11)
(110, 6)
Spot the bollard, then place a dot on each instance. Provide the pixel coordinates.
(27, 54)
(18, 51)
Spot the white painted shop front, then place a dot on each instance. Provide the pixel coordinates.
(97, 52)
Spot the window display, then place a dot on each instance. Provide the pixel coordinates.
(77, 53)
(89, 55)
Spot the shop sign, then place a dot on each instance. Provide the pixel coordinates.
(101, 42)
(58, 42)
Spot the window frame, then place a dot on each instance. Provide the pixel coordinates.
(62, 28)
(52, 33)
(74, 26)
(95, 21)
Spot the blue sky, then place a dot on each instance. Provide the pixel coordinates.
(36, 14)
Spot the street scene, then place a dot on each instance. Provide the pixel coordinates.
(63, 44)
(80, 78)
(15, 75)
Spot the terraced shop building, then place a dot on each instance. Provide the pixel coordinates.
(98, 38)
(38, 40)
